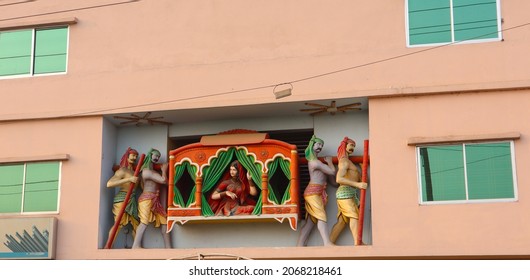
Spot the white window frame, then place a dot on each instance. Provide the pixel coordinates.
(467, 200)
(31, 74)
(59, 183)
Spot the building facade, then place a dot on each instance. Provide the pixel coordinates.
(443, 88)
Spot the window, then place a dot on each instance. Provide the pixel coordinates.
(29, 187)
(467, 172)
(447, 21)
(33, 51)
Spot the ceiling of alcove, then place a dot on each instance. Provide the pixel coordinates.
(284, 109)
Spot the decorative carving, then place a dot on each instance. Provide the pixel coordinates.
(278, 210)
(200, 156)
(187, 212)
(263, 155)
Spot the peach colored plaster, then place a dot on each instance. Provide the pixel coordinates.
(191, 49)
(165, 50)
(448, 228)
(80, 184)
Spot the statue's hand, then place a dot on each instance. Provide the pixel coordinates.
(133, 179)
(362, 185)
(231, 194)
(328, 159)
(249, 177)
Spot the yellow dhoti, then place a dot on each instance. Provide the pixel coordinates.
(126, 217)
(347, 209)
(315, 202)
(315, 208)
(149, 210)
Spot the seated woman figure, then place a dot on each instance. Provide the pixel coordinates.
(232, 195)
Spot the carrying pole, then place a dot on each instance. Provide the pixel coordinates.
(117, 221)
(362, 199)
(335, 160)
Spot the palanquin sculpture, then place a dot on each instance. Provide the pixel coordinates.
(196, 170)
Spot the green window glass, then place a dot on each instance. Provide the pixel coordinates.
(489, 168)
(50, 50)
(442, 173)
(33, 51)
(42, 187)
(475, 19)
(466, 172)
(11, 186)
(429, 21)
(31, 187)
(448, 21)
(15, 52)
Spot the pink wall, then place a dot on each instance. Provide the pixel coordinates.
(151, 51)
(450, 228)
(80, 184)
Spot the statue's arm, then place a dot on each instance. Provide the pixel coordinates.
(119, 178)
(329, 168)
(219, 191)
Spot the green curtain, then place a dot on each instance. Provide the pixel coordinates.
(286, 168)
(273, 165)
(177, 197)
(250, 164)
(179, 171)
(212, 174)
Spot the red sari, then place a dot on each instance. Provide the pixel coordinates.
(226, 206)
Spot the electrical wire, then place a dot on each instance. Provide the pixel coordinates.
(108, 110)
(293, 81)
(71, 10)
(406, 55)
(171, 101)
(17, 3)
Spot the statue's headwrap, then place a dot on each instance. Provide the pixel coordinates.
(341, 151)
(124, 159)
(149, 158)
(309, 152)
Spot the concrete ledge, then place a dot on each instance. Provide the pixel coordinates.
(413, 141)
(58, 157)
(38, 23)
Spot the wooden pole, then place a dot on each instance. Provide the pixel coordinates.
(171, 183)
(355, 159)
(198, 192)
(295, 177)
(362, 199)
(265, 188)
(117, 222)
